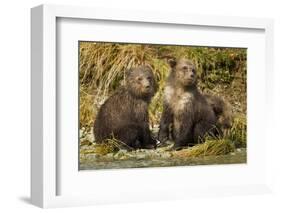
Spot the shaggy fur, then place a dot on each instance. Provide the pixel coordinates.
(186, 111)
(223, 111)
(124, 115)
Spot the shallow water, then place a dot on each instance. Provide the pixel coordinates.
(160, 157)
(156, 159)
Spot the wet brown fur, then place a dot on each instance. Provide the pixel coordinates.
(124, 115)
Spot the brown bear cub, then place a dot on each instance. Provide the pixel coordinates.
(186, 112)
(124, 115)
(223, 112)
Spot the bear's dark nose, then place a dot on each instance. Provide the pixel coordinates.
(192, 75)
(147, 86)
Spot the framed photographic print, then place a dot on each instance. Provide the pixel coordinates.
(129, 106)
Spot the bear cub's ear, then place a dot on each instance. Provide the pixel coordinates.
(172, 62)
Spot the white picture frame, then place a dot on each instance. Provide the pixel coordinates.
(45, 178)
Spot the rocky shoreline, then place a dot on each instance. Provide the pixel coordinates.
(160, 157)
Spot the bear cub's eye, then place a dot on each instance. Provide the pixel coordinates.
(184, 67)
(139, 78)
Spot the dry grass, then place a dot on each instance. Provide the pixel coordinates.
(238, 132)
(235, 137)
(108, 146)
(102, 70)
(221, 70)
(103, 66)
(210, 147)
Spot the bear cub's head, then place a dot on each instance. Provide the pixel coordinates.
(184, 72)
(140, 82)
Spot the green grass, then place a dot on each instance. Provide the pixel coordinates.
(221, 71)
(103, 65)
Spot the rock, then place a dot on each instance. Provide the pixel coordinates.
(120, 153)
(165, 155)
(141, 156)
(123, 158)
(81, 133)
(109, 155)
(90, 137)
